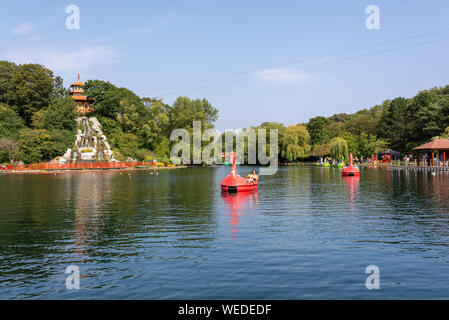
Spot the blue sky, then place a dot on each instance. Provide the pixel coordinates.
(147, 46)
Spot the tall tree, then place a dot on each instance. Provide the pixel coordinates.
(109, 98)
(398, 123)
(10, 122)
(7, 70)
(419, 115)
(185, 111)
(318, 130)
(32, 89)
(339, 149)
(295, 143)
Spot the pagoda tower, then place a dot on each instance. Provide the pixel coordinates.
(83, 103)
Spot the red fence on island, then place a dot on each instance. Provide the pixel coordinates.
(74, 166)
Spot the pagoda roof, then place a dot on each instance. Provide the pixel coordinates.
(82, 98)
(438, 144)
(78, 83)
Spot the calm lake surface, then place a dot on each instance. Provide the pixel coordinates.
(306, 234)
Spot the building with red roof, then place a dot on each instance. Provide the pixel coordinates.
(438, 147)
(83, 103)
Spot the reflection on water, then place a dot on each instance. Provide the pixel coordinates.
(352, 186)
(307, 233)
(90, 191)
(237, 204)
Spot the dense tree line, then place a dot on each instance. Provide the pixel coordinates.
(400, 124)
(139, 128)
(37, 121)
(37, 117)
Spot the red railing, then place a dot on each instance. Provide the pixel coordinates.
(74, 166)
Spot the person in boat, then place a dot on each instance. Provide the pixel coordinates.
(252, 177)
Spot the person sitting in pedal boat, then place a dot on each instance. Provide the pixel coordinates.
(252, 177)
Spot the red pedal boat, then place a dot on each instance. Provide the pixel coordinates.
(235, 183)
(351, 170)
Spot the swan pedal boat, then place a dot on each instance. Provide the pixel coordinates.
(235, 183)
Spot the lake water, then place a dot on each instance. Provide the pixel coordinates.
(306, 234)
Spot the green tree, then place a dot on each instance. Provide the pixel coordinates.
(443, 104)
(185, 111)
(398, 123)
(419, 127)
(158, 118)
(109, 98)
(376, 146)
(295, 143)
(10, 123)
(281, 131)
(365, 121)
(109, 126)
(34, 145)
(318, 130)
(128, 145)
(161, 146)
(335, 129)
(60, 115)
(37, 145)
(369, 144)
(7, 69)
(320, 150)
(352, 142)
(339, 149)
(129, 118)
(339, 117)
(31, 90)
(59, 91)
(9, 147)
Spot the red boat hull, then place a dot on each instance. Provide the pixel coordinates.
(239, 188)
(235, 183)
(350, 171)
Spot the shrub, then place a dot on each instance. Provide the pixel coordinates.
(165, 160)
(145, 155)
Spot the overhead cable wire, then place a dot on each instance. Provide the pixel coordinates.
(306, 67)
(299, 61)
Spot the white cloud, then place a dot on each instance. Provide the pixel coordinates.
(24, 29)
(282, 76)
(71, 60)
(100, 52)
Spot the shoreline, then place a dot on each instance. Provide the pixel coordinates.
(59, 171)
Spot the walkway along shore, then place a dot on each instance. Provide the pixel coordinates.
(418, 168)
(409, 166)
(81, 167)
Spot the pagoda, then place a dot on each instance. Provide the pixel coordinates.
(83, 103)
